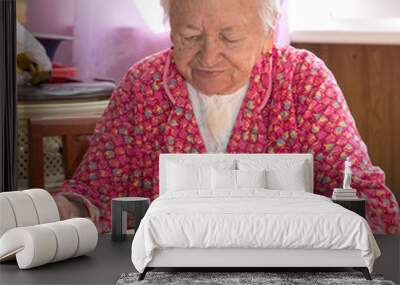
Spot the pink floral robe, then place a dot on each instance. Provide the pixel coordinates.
(297, 108)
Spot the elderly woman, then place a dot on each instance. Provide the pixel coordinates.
(223, 87)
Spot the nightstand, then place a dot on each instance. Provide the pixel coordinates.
(120, 208)
(355, 205)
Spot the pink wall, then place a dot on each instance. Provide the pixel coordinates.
(53, 17)
(282, 33)
(109, 36)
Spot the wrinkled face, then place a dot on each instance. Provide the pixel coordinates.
(217, 42)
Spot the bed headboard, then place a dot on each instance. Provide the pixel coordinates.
(211, 158)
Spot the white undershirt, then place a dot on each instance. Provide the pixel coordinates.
(216, 116)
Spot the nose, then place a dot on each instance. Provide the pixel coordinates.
(210, 53)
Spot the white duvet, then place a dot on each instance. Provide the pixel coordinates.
(251, 218)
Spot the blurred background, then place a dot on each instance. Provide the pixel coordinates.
(71, 53)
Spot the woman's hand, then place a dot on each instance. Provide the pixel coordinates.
(69, 209)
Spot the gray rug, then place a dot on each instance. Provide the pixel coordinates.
(243, 278)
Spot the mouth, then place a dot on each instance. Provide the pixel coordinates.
(208, 73)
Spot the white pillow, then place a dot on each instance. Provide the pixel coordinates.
(235, 179)
(282, 174)
(290, 179)
(181, 177)
(223, 179)
(251, 178)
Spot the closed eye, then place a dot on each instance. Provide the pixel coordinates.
(192, 38)
(228, 39)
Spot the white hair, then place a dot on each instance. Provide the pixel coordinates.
(268, 12)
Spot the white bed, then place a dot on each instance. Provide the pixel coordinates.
(250, 226)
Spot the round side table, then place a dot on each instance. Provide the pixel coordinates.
(119, 211)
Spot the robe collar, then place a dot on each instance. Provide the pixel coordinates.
(182, 131)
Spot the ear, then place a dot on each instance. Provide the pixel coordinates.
(172, 38)
(173, 33)
(268, 41)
